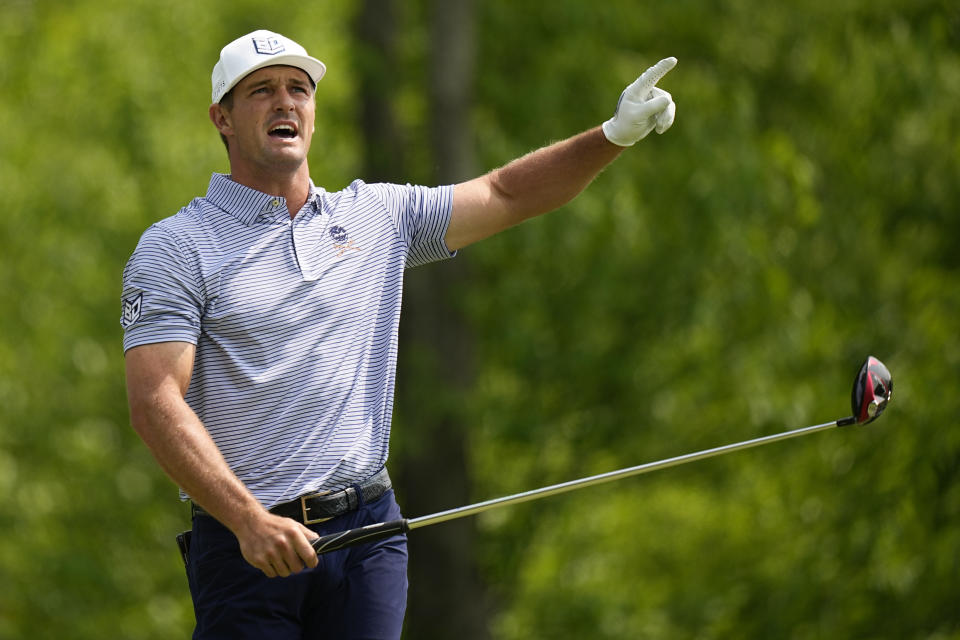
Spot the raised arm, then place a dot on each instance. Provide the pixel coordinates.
(550, 177)
(157, 379)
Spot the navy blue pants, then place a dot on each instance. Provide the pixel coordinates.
(356, 592)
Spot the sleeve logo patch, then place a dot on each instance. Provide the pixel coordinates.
(131, 310)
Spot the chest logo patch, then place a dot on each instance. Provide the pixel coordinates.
(339, 234)
(131, 310)
(341, 241)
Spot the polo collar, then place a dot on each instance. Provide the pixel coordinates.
(245, 204)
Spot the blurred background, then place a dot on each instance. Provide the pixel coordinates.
(717, 283)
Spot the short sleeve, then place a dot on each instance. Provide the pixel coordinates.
(161, 299)
(422, 216)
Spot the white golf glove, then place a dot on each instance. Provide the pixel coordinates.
(642, 107)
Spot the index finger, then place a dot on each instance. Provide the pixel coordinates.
(305, 550)
(640, 88)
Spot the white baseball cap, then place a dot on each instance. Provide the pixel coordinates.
(256, 50)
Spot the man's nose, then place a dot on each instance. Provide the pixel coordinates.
(284, 101)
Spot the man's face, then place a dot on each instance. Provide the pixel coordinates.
(270, 124)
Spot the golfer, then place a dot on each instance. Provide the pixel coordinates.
(260, 336)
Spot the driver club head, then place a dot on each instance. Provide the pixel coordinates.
(872, 390)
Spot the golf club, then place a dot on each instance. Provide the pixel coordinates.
(872, 390)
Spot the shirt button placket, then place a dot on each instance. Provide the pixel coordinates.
(300, 249)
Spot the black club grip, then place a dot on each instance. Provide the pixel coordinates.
(369, 533)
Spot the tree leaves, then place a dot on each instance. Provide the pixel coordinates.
(717, 283)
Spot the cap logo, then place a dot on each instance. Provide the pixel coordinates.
(268, 46)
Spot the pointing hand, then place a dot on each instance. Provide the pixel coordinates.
(642, 107)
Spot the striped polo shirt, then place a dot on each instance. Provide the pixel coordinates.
(295, 321)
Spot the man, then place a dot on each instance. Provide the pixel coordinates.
(261, 343)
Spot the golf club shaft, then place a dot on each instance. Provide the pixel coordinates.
(563, 487)
(384, 529)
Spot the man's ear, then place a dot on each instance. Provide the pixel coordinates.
(220, 118)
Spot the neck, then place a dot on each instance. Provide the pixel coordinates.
(292, 187)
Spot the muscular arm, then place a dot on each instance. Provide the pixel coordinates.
(157, 379)
(536, 183)
(550, 177)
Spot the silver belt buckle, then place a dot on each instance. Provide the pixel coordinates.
(304, 508)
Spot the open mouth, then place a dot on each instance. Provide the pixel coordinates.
(284, 131)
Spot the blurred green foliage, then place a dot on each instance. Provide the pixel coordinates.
(717, 283)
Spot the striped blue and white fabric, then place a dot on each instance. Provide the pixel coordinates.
(295, 322)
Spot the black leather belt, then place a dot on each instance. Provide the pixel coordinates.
(325, 505)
